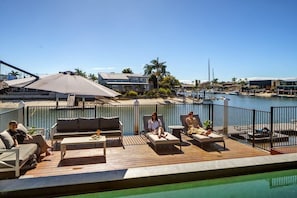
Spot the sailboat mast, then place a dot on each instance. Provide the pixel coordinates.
(208, 71)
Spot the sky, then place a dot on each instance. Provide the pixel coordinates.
(237, 38)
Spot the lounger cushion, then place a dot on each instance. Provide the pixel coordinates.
(7, 139)
(210, 138)
(67, 125)
(170, 139)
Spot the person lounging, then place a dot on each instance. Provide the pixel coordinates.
(155, 126)
(194, 127)
(21, 137)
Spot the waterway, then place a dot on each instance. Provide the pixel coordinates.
(254, 102)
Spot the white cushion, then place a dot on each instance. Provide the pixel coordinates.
(7, 139)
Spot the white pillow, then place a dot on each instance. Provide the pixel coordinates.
(22, 127)
(7, 139)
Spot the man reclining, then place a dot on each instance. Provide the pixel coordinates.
(193, 126)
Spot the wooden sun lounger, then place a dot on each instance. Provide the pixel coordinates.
(154, 139)
(169, 140)
(202, 139)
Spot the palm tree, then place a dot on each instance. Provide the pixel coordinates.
(80, 72)
(157, 69)
(93, 77)
(14, 73)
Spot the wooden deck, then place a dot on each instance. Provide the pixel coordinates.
(137, 153)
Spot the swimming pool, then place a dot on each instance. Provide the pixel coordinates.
(270, 184)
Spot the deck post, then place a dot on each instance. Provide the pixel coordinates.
(225, 128)
(136, 117)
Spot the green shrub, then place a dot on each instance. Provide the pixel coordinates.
(164, 91)
(132, 93)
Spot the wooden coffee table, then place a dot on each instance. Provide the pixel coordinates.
(82, 140)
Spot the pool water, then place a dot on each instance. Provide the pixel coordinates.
(273, 184)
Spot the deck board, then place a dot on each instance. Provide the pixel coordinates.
(137, 153)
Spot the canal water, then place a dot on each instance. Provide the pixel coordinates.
(254, 102)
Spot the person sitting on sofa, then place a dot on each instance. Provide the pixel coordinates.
(21, 137)
(155, 126)
(193, 126)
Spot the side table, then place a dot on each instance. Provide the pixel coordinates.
(176, 131)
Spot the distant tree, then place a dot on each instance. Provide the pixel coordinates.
(127, 71)
(80, 72)
(157, 69)
(234, 79)
(169, 82)
(215, 81)
(93, 77)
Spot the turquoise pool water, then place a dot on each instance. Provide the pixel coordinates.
(273, 184)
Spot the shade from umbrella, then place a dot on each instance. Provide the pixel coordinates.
(68, 83)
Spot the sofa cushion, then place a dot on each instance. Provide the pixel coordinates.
(67, 125)
(7, 139)
(61, 135)
(22, 127)
(2, 145)
(88, 124)
(109, 123)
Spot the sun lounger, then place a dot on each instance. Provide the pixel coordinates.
(202, 139)
(154, 139)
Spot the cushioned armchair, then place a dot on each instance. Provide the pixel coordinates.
(14, 158)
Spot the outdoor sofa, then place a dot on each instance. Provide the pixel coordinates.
(202, 139)
(154, 139)
(77, 127)
(14, 158)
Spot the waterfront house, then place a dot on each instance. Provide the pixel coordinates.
(123, 82)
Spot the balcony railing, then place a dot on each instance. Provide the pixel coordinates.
(238, 123)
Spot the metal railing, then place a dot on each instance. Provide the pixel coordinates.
(238, 123)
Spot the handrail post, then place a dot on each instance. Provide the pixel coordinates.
(27, 116)
(95, 111)
(254, 124)
(225, 128)
(271, 127)
(136, 117)
(21, 112)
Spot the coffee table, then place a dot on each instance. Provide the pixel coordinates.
(82, 140)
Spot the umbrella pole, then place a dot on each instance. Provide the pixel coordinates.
(83, 100)
(57, 102)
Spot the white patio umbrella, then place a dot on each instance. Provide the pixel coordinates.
(69, 83)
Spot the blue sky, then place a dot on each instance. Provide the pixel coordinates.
(241, 38)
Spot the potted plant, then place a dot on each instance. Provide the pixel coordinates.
(207, 124)
(32, 131)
